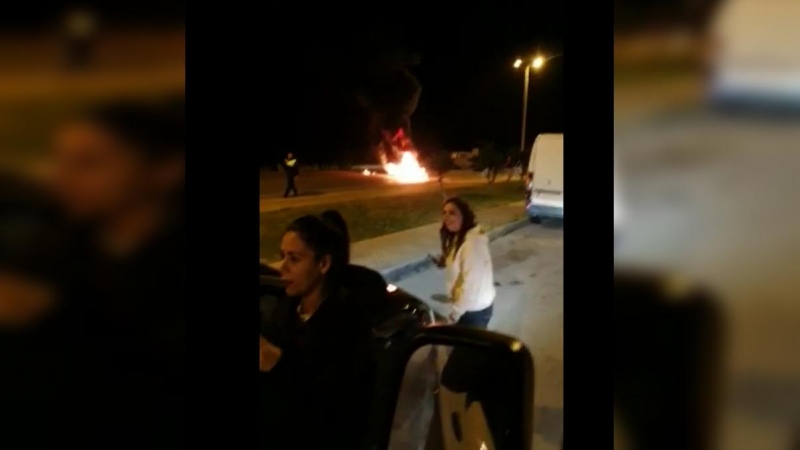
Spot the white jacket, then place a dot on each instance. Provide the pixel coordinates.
(469, 274)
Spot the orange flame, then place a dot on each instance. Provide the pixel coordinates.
(408, 170)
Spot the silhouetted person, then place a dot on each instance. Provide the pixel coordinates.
(667, 349)
(34, 346)
(291, 170)
(119, 177)
(80, 30)
(509, 167)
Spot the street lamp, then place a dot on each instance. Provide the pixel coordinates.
(536, 63)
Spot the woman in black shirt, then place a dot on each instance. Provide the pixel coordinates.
(316, 354)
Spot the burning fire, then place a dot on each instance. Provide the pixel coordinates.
(408, 170)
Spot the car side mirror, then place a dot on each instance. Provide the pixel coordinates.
(457, 387)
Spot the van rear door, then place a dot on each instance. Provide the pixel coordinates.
(548, 174)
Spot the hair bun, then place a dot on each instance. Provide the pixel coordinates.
(334, 219)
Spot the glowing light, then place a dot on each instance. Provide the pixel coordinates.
(517, 63)
(538, 62)
(367, 172)
(391, 288)
(408, 170)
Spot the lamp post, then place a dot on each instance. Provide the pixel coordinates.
(536, 63)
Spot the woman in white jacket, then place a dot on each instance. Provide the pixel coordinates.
(468, 265)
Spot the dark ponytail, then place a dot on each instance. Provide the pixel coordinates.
(334, 219)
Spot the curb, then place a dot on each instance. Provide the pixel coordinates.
(401, 271)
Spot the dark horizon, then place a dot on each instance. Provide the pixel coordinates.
(470, 92)
(472, 86)
(320, 67)
(45, 15)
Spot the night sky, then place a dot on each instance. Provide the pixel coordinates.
(318, 61)
(470, 90)
(46, 14)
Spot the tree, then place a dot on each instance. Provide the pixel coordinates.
(440, 162)
(348, 108)
(389, 92)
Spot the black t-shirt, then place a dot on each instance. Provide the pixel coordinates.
(36, 371)
(291, 168)
(327, 366)
(129, 324)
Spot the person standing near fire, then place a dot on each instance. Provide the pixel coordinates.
(291, 170)
(80, 29)
(467, 262)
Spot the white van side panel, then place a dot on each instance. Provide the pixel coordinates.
(546, 198)
(756, 56)
(547, 163)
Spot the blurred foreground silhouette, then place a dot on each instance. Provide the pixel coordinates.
(706, 133)
(92, 282)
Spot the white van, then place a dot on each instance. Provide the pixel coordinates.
(754, 57)
(620, 211)
(546, 191)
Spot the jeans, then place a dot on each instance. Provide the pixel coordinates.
(476, 319)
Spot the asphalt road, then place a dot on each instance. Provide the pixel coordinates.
(319, 187)
(715, 198)
(528, 266)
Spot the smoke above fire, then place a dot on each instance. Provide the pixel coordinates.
(391, 97)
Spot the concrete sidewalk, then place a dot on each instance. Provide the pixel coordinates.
(405, 253)
(398, 255)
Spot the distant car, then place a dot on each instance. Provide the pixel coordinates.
(545, 197)
(754, 59)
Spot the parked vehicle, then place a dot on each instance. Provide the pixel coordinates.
(546, 192)
(753, 62)
(620, 209)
